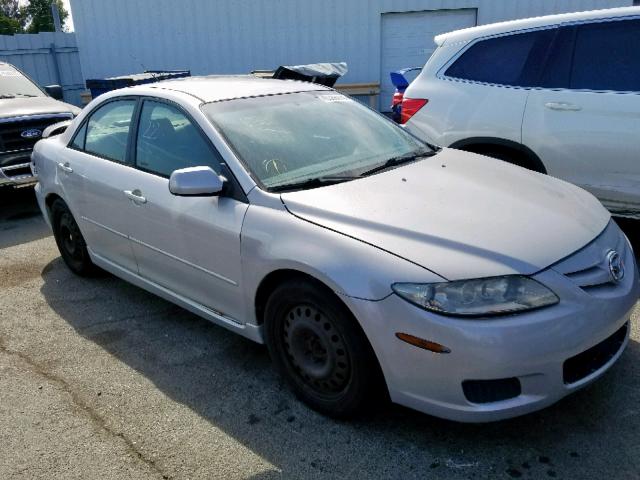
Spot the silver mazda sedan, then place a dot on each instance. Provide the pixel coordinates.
(370, 263)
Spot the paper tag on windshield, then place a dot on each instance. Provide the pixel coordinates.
(334, 98)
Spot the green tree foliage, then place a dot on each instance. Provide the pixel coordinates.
(10, 9)
(33, 16)
(38, 17)
(9, 26)
(10, 17)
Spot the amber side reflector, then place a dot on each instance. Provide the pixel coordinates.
(422, 343)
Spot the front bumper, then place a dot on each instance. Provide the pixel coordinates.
(16, 175)
(531, 347)
(42, 204)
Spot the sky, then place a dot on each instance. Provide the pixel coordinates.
(69, 23)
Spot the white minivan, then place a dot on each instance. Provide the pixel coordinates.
(557, 94)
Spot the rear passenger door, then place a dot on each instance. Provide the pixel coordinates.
(485, 91)
(584, 122)
(189, 245)
(98, 175)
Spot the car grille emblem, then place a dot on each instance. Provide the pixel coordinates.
(616, 266)
(32, 133)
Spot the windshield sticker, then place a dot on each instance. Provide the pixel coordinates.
(9, 73)
(334, 98)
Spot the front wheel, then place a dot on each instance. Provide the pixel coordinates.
(70, 241)
(319, 348)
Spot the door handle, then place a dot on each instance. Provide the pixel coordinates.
(563, 106)
(65, 167)
(135, 196)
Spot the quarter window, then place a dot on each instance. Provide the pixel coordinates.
(107, 131)
(514, 60)
(78, 140)
(606, 56)
(168, 141)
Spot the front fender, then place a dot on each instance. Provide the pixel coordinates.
(274, 239)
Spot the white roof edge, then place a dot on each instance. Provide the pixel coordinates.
(472, 33)
(214, 88)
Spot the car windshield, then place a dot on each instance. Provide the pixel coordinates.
(295, 139)
(15, 84)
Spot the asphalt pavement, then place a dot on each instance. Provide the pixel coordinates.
(99, 379)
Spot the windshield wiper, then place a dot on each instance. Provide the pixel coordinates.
(7, 96)
(24, 94)
(395, 161)
(311, 183)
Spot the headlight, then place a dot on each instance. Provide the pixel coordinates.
(481, 297)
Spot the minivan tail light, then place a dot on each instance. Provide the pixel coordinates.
(411, 106)
(397, 99)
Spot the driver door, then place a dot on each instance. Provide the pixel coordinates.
(189, 245)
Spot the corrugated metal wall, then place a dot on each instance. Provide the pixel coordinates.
(237, 36)
(48, 58)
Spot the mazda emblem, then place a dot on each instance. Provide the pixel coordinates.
(616, 266)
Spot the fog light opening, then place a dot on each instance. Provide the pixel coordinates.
(422, 343)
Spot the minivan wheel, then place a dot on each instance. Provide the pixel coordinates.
(70, 241)
(319, 348)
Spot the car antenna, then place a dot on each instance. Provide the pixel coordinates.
(142, 65)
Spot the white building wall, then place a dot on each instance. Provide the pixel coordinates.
(236, 36)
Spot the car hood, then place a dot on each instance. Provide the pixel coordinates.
(460, 215)
(18, 107)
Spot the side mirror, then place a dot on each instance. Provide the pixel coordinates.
(196, 182)
(56, 129)
(54, 91)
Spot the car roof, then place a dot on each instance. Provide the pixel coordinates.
(472, 33)
(228, 87)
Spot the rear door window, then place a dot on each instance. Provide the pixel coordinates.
(107, 130)
(607, 57)
(514, 60)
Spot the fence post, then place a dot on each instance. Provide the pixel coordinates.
(56, 67)
(56, 17)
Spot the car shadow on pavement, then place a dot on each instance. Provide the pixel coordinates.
(20, 218)
(229, 381)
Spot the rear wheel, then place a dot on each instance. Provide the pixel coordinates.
(70, 241)
(319, 348)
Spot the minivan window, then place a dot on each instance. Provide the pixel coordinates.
(514, 60)
(606, 56)
(168, 141)
(558, 66)
(108, 130)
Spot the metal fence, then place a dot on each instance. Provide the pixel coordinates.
(49, 58)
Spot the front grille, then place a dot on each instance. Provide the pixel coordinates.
(13, 146)
(584, 364)
(588, 268)
(487, 391)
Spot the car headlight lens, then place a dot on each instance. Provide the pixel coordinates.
(480, 297)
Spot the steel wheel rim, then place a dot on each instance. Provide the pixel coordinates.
(69, 237)
(316, 351)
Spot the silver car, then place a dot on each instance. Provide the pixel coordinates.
(369, 262)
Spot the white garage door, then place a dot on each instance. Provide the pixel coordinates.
(407, 41)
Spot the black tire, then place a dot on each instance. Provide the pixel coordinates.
(319, 348)
(70, 241)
